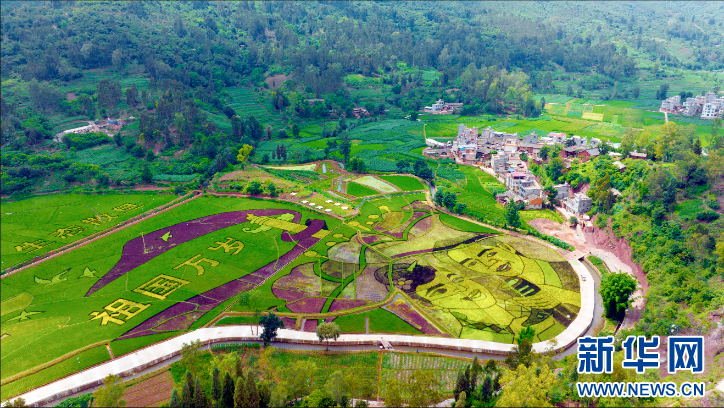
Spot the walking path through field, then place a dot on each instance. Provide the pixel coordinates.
(132, 363)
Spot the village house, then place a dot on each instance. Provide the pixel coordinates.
(636, 155)
(442, 108)
(621, 166)
(562, 190)
(499, 162)
(588, 154)
(360, 112)
(433, 153)
(671, 104)
(579, 204)
(511, 145)
(558, 138)
(535, 204)
(523, 184)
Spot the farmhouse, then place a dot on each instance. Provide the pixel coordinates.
(562, 190)
(636, 155)
(535, 204)
(360, 112)
(522, 184)
(579, 204)
(621, 166)
(587, 154)
(499, 162)
(442, 108)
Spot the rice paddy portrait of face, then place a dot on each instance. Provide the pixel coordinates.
(492, 288)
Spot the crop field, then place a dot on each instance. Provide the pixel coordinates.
(400, 366)
(376, 184)
(404, 183)
(399, 262)
(34, 226)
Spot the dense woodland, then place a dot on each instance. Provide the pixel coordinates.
(497, 54)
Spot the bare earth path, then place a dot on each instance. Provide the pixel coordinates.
(615, 253)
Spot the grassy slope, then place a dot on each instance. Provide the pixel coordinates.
(404, 183)
(358, 190)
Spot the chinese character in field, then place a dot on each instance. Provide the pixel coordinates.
(99, 219)
(595, 355)
(125, 207)
(195, 263)
(119, 311)
(686, 353)
(37, 244)
(68, 231)
(161, 286)
(230, 245)
(645, 359)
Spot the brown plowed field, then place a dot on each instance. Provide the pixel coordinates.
(151, 392)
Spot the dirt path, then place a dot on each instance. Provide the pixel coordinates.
(615, 253)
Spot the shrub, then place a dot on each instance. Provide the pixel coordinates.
(85, 140)
(707, 216)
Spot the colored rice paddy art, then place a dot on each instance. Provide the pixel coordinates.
(181, 269)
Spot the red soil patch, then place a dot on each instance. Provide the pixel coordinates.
(452, 89)
(277, 80)
(150, 392)
(69, 96)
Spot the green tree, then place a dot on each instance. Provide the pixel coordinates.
(252, 391)
(241, 397)
(526, 387)
(295, 130)
(511, 214)
(200, 400)
(616, 290)
(573, 220)
(523, 351)
(393, 393)
(413, 116)
(254, 188)
(424, 388)
(244, 153)
(462, 400)
(337, 387)
(543, 154)
(271, 323)
(132, 96)
(403, 166)
(327, 331)
(555, 168)
(300, 377)
(191, 357)
(146, 175)
(273, 190)
(216, 384)
(227, 394)
(174, 402)
(345, 147)
(187, 394)
(110, 394)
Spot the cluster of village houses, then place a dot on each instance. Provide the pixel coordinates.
(499, 153)
(443, 108)
(108, 126)
(709, 106)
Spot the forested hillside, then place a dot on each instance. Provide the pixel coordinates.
(194, 81)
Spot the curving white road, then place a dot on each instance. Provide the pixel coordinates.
(140, 360)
